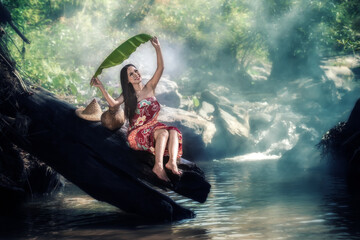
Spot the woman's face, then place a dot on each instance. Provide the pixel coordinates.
(134, 76)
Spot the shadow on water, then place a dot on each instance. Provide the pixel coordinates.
(248, 200)
(74, 215)
(341, 203)
(297, 203)
(338, 202)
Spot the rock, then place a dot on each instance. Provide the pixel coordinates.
(198, 133)
(354, 118)
(167, 93)
(231, 121)
(341, 76)
(212, 98)
(356, 72)
(342, 70)
(259, 72)
(342, 145)
(233, 126)
(219, 89)
(234, 119)
(206, 111)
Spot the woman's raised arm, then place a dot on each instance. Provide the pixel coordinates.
(111, 101)
(160, 64)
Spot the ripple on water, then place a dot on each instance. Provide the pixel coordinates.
(248, 200)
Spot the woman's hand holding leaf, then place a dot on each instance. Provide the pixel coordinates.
(155, 42)
(96, 83)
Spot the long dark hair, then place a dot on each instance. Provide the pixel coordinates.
(128, 93)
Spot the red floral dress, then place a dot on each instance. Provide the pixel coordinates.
(143, 125)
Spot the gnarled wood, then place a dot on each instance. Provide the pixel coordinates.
(92, 157)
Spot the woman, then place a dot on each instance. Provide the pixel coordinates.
(142, 109)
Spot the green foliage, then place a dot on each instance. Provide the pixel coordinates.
(132, 13)
(217, 35)
(345, 28)
(221, 39)
(196, 101)
(57, 59)
(298, 33)
(123, 52)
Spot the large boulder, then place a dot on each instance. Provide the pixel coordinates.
(231, 121)
(216, 128)
(341, 145)
(342, 70)
(198, 133)
(167, 92)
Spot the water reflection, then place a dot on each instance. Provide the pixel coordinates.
(248, 200)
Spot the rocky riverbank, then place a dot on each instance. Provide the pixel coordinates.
(267, 115)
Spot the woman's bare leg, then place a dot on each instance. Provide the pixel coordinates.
(173, 147)
(161, 137)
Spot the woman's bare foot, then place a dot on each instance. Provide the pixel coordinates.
(160, 173)
(173, 167)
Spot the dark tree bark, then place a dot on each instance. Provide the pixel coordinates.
(89, 155)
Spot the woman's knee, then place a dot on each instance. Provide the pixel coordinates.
(161, 133)
(173, 133)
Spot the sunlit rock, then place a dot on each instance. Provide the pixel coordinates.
(259, 72)
(206, 111)
(214, 99)
(342, 70)
(198, 133)
(342, 76)
(233, 118)
(231, 121)
(233, 125)
(220, 89)
(167, 93)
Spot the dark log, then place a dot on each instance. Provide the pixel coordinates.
(92, 157)
(100, 162)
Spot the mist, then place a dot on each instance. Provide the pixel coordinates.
(265, 59)
(253, 86)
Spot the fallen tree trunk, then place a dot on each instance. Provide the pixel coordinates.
(92, 157)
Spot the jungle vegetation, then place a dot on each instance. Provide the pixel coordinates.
(219, 39)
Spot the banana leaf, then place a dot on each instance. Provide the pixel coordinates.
(123, 52)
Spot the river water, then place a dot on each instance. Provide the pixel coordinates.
(262, 192)
(248, 200)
